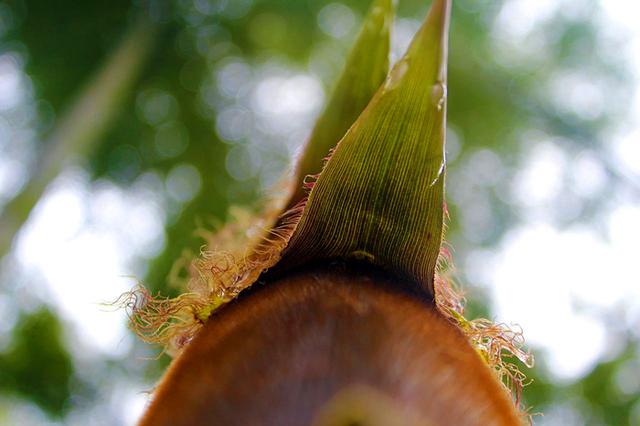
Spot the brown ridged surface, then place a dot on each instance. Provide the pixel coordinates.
(280, 353)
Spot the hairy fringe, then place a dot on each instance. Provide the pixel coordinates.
(160, 320)
(232, 260)
(497, 344)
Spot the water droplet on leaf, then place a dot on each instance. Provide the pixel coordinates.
(439, 94)
(397, 74)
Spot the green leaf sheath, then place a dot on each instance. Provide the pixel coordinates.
(380, 197)
(364, 71)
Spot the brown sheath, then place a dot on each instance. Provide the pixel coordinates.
(334, 345)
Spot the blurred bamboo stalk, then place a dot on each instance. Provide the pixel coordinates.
(79, 130)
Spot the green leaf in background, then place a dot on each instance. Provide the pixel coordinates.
(363, 73)
(36, 364)
(380, 196)
(83, 125)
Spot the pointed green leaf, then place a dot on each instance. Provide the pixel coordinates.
(380, 197)
(363, 73)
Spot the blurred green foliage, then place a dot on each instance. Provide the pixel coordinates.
(37, 365)
(497, 109)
